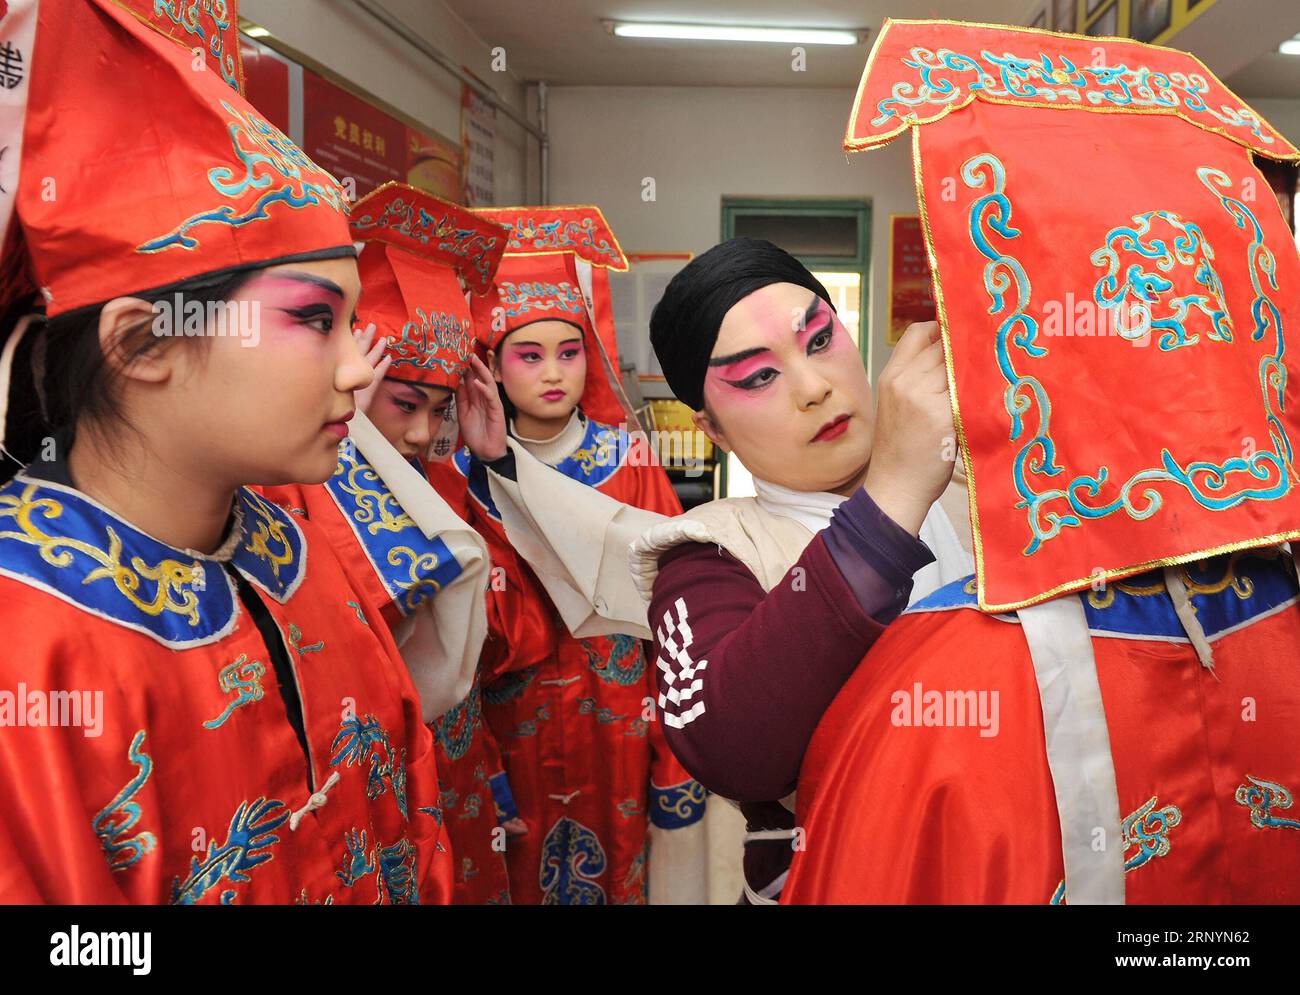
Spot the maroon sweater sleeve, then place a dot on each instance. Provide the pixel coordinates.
(745, 675)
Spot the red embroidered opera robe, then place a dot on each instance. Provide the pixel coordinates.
(215, 775)
(896, 807)
(400, 569)
(586, 756)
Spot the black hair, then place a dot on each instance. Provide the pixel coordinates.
(60, 376)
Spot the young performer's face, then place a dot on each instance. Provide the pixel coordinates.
(409, 414)
(786, 391)
(543, 367)
(270, 406)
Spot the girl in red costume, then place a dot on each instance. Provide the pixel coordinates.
(199, 703)
(417, 559)
(578, 729)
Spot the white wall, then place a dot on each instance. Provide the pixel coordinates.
(702, 143)
(344, 38)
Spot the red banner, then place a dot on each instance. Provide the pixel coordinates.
(911, 297)
(362, 145)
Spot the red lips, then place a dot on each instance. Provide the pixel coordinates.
(339, 426)
(833, 429)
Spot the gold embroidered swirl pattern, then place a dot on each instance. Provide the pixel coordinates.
(602, 452)
(684, 805)
(376, 508)
(1242, 587)
(172, 577)
(419, 587)
(269, 529)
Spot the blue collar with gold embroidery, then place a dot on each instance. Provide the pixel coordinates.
(412, 566)
(1228, 591)
(56, 539)
(599, 456)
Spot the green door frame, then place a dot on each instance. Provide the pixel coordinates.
(732, 207)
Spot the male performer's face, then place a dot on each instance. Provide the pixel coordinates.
(543, 367)
(409, 414)
(269, 405)
(786, 392)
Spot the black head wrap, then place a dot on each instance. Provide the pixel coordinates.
(684, 325)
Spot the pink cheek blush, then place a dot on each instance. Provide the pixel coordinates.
(514, 363)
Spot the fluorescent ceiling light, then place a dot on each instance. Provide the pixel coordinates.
(722, 32)
(1291, 47)
(254, 31)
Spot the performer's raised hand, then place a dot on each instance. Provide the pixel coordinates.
(374, 353)
(482, 419)
(912, 452)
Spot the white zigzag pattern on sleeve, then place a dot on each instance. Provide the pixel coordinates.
(687, 670)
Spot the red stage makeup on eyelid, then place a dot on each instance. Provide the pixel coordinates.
(819, 320)
(742, 368)
(407, 393)
(296, 294)
(516, 353)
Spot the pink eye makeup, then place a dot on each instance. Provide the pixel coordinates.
(307, 299)
(405, 398)
(819, 323)
(531, 352)
(755, 368)
(745, 371)
(521, 352)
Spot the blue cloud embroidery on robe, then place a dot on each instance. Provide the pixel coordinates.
(1147, 829)
(243, 680)
(121, 815)
(362, 739)
(1263, 798)
(625, 664)
(248, 845)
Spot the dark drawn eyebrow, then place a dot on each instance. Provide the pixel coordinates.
(813, 307)
(418, 388)
(736, 357)
(318, 281)
(538, 345)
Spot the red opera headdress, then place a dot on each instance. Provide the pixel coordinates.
(556, 268)
(1120, 383)
(142, 165)
(421, 255)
